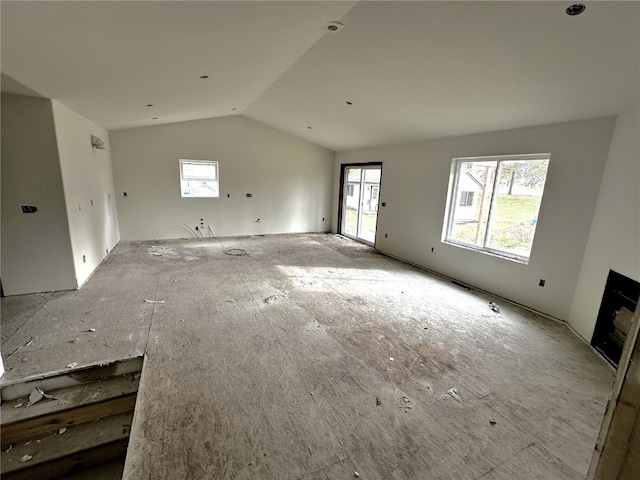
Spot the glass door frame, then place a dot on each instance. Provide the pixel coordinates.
(342, 203)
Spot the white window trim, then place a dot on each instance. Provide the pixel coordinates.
(184, 161)
(453, 195)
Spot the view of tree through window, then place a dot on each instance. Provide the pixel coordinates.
(494, 204)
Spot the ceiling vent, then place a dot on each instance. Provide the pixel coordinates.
(333, 27)
(97, 142)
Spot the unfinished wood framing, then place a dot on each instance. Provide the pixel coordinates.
(617, 452)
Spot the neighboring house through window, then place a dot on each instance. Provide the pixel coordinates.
(466, 199)
(494, 203)
(199, 178)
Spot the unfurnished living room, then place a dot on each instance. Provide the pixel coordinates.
(320, 240)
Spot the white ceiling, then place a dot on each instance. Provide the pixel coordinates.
(413, 70)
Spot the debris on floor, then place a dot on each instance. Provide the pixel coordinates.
(31, 340)
(62, 430)
(158, 251)
(356, 474)
(18, 405)
(75, 340)
(391, 358)
(492, 422)
(236, 252)
(494, 306)
(26, 458)
(453, 393)
(37, 394)
(72, 365)
(274, 298)
(154, 301)
(378, 402)
(90, 330)
(403, 402)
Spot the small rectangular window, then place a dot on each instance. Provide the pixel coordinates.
(494, 203)
(199, 178)
(466, 199)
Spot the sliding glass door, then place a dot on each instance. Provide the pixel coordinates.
(359, 205)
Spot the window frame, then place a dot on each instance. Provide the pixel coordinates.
(452, 196)
(216, 179)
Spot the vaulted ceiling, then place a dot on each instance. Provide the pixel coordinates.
(410, 71)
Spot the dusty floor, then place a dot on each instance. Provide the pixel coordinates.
(314, 357)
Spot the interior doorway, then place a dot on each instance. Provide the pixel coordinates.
(359, 200)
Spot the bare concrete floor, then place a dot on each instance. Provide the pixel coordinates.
(314, 357)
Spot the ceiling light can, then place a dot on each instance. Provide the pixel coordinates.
(333, 27)
(576, 9)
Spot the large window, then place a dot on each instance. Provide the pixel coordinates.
(494, 203)
(199, 178)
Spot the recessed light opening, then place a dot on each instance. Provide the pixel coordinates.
(576, 9)
(333, 27)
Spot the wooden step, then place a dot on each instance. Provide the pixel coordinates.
(48, 382)
(86, 423)
(72, 406)
(83, 445)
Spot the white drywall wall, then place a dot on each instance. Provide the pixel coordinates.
(36, 248)
(415, 179)
(614, 239)
(88, 189)
(290, 179)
